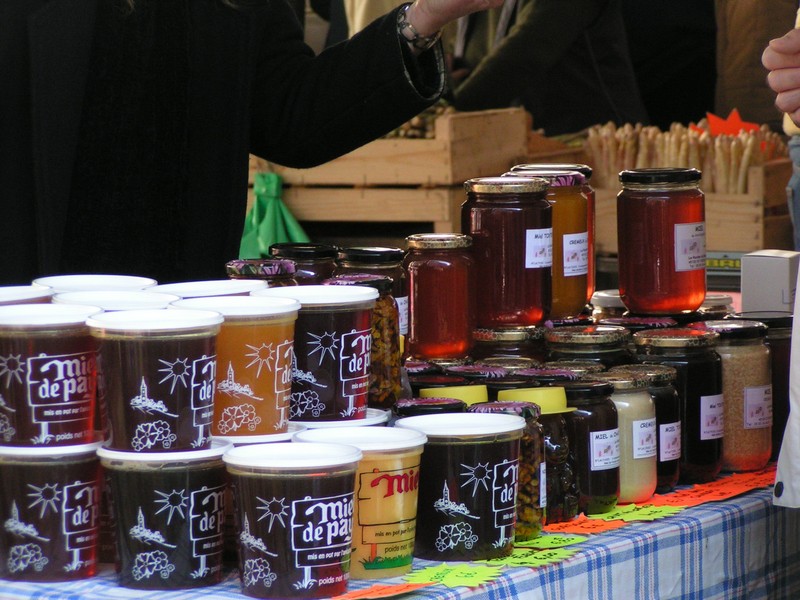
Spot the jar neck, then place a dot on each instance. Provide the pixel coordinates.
(680, 351)
(759, 341)
(661, 187)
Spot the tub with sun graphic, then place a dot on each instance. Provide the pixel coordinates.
(254, 360)
(48, 375)
(169, 515)
(332, 346)
(294, 508)
(468, 484)
(156, 375)
(50, 511)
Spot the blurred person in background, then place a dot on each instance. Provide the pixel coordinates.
(672, 46)
(565, 61)
(744, 27)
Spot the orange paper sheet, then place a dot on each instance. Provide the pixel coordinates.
(382, 590)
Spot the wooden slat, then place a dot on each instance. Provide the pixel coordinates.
(440, 206)
(467, 144)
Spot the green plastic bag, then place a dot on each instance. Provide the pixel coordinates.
(269, 220)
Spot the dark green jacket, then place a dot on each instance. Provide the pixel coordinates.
(254, 86)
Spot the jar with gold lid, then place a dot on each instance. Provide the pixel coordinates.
(440, 271)
(510, 222)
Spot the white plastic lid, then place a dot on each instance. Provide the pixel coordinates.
(367, 439)
(322, 295)
(217, 449)
(49, 451)
(717, 299)
(12, 294)
(290, 455)
(241, 306)
(117, 299)
(607, 298)
(211, 287)
(161, 319)
(242, 440)
(37, 315)
(80, 283)
(375, 416)
(448, 425)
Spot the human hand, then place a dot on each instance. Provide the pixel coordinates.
(429, 16)
(782, 58)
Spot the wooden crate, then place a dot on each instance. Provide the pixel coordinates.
(439, 206)
(466, 145)
(734, 222)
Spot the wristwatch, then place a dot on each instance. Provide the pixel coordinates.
(411, 35)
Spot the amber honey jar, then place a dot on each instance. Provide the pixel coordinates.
(440, 272)
(510, 222)
(588, 191)
(662, 240)
(571, 248)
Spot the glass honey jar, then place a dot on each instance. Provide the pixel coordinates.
(510, 222)
(662, 240)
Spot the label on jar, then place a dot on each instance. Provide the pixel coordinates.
(539, 248)
(711, 413)
(758, 407)
(543, 485)
(576, 254)
(402, 313)
(644, 438)
(604, 449)
(670, 436)
(690, 246)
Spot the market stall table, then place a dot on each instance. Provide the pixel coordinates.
(741, 548)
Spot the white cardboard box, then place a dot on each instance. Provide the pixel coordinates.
(769, 280)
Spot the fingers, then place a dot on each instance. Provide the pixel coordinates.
(789, 102)
(783, 52)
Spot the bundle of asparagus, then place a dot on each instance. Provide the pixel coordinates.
(724, 160)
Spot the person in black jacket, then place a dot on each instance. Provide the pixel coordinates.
(127, 124)
(565, 61)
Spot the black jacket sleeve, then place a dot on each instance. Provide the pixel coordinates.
(309, 109)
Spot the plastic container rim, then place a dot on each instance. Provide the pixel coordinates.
(292, 455)
(367, 439)
(463, 425)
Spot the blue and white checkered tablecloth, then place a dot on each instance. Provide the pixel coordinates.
(741, 548)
